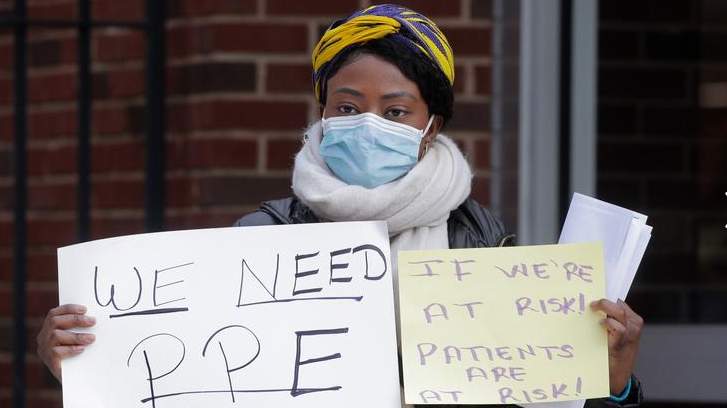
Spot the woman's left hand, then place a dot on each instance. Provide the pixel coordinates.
(624, 332)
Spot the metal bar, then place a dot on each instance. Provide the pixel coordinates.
(19, 270)
(566, 30)
(12, 22)
(84, 120)
(155, 115)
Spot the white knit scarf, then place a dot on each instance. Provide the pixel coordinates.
(415, 207)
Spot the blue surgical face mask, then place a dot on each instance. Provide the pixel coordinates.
(369, 150)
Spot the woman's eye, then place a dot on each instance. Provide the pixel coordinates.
(346, 109)
(397, 113)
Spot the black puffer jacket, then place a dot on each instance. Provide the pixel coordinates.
(469, 226)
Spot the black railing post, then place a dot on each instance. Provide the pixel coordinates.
(84, 120)
(155, 114)
(20, 172)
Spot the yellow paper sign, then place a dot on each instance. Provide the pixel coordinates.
(503, 325)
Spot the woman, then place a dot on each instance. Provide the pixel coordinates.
(383, 77)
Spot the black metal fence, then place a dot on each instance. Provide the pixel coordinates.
(153, 26)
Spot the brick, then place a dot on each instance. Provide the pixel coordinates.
(52, 160)
(206, 77)
(6, 161)
(6, 233)
(616, 119)
(339, 8)
(44, 53)
(673, 230)
(668, 267)
(281, 153)
(6, 127)
(51, 232)
(470, 116)
(252, 115)
(713, 122)
(221, 153)
(460, 78)
(708, 159)
(117, 156)
(481, 190)
(241, 190)
(481, 8)
(632, 157)
(6, 199)
(686, 194)
(618, 44)
(625, 191)
(118, 194)
(680, 121)
(115, 120)
(52, 87)
(118, 46)
(179, 193)
(42, 267)
(6, 55)
(6, 91)
(114, 10)
(649, 11)
(483, 80)
(120, 83)
(49, 124)
(52, 196)
(183, 8)
(205, 219)
(683, 45)
(482, 154)
(113, 227)
(40, 301)
(64, 10)
(239, 37)
(468, 41)
(287, 78)
(642, 84)
(713, 46)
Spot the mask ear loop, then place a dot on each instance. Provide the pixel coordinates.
(424, 133)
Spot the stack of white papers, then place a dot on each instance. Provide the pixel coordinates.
(623, 232)
(624, 235)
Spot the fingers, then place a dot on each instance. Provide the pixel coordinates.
(613, 310)
(69, 321)
(614, 327)
(64, 337)
(67, 309)
(67, 351)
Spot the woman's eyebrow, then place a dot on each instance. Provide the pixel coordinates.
(348, 91)
(402, 94)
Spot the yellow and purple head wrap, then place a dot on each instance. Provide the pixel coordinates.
(375, 22)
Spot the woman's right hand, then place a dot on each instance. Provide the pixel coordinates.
(56, 341)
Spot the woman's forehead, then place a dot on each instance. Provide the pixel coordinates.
(369, 74)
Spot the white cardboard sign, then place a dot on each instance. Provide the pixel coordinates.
(276, 316)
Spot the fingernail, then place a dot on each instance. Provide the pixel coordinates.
(90, 338)
(78, 349)
(82, 309)
(89, 319)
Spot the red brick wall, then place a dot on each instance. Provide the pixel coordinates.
(238, 97)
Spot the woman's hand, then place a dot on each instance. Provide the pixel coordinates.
(624, 332)
(56, 342)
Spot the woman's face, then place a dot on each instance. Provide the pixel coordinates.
(371, 84)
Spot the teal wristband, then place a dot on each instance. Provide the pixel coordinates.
(624, 395)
